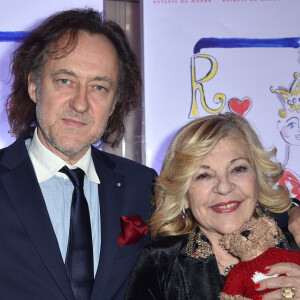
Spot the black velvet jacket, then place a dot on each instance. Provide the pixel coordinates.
(165, 272)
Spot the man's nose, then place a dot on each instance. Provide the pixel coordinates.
(79, 101)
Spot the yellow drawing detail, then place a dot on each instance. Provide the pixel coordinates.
(290, 99)
(197, 85)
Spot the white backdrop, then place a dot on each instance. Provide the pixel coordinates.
(242, 76)
(19, 15)
(237, 51)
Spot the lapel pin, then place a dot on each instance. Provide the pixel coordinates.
(118, 184)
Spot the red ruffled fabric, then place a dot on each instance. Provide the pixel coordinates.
(133, 228)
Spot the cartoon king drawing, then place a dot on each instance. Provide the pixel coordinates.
(289, 127)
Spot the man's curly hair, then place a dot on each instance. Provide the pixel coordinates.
(30, 57)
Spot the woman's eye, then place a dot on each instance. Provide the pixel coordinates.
(203, 176)
(240, 169)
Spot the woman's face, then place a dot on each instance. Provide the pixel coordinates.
(223, 192)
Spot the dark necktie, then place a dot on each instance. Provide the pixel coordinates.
(79, 259)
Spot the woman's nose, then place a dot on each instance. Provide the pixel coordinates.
(224, 185)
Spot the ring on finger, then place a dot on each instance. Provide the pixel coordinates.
(288, 292)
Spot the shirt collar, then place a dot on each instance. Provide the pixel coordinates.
(46, 164)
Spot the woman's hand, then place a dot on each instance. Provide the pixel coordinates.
(294, 223)
(291, 280)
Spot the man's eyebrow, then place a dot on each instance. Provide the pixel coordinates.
(103, 79)
(63, 72)
(71, 73)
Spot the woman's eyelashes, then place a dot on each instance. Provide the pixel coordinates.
(205, 175)
(240, 169)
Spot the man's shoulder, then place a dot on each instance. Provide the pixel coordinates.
(121, 163)
(18, 144)
(14, 153)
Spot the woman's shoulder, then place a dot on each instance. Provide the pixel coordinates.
(168, 245)
(168, 241)
(290, 241)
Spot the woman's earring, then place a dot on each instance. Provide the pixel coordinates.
(183, 214)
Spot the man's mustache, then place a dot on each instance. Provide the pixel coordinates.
(78, 117)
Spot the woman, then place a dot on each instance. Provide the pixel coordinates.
(215, 177)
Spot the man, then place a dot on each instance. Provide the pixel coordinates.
(75, 81)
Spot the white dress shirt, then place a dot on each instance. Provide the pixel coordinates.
(57, 190)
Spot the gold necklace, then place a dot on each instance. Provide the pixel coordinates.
(226, 269)
(197, 246)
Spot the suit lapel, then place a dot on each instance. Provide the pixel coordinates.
(26, 197)
(111, 195)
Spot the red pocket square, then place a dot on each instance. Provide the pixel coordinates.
(133, 228)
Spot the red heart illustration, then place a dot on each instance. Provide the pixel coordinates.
(240, 107)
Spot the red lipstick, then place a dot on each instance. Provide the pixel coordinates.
(226, 207)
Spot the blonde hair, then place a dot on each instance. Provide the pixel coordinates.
(183, 159)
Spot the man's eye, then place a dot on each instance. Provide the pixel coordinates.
(240, 169)
(99, 87)
(64, 81)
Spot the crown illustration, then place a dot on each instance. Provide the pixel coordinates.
(290, 99)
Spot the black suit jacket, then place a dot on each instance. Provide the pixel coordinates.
(31, 266)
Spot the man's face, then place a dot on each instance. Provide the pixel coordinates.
(75, 96)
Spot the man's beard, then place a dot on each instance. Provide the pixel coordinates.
(51, 136)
